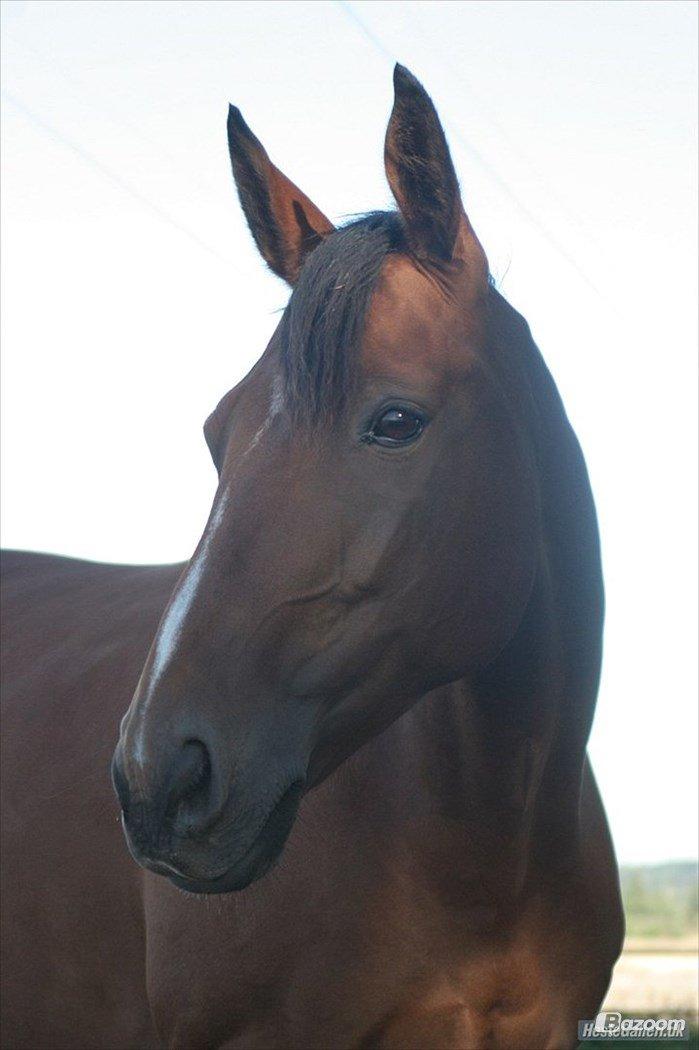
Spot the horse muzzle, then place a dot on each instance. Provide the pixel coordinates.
(187, 830)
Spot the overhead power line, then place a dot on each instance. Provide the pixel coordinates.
(85, 93)
(456, 133)
(124, 185)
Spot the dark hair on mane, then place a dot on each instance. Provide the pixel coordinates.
(323, 323)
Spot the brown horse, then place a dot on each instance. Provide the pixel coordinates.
(373, 684)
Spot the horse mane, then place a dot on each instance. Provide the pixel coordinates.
(322, 325)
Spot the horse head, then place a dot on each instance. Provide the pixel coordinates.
(375, 531)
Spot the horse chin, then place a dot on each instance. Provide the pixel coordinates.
(259, 857)
(238, 878)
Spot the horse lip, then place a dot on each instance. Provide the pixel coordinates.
(247, 868)
(163, 867)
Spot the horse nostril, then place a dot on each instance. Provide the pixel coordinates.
(190, 785)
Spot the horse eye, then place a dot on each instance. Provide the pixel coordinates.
(397, 426)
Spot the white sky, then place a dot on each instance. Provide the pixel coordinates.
(133, 296)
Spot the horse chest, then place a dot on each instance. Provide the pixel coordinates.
(405, 1002)
(378, 973)
(360, 939)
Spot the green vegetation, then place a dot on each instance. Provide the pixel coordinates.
(661, 900)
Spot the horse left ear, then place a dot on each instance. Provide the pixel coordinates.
(421, 175)
(286, 225)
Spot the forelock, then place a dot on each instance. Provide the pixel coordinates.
(322, 326)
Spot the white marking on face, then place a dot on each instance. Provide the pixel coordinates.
(275, 406)
(173, 623)
(171, 628)
(277, 402)
(256, 439)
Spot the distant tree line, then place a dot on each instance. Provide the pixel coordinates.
(661, 900)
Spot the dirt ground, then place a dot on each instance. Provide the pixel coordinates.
(652, 979)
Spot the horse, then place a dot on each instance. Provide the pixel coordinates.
(353, 772)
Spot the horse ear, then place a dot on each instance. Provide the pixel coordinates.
(286, 225)
(421, 175)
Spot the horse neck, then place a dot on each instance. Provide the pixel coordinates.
(501, 754)
(546, 682)
(575, 602)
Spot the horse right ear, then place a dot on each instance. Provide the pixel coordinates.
(423, 181)
(286, 225)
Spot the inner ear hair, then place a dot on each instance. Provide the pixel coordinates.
(420, 171)
(284, 222)
(310, 238)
